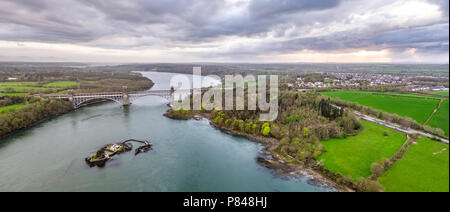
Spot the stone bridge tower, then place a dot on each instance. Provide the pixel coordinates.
(125, 96)
(172, 94)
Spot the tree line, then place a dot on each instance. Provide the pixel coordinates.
(304, 120)
(35, 111)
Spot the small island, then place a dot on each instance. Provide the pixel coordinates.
(107, 152)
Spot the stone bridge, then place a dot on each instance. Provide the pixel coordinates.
(125, 98)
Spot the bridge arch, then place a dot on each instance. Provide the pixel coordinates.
(80, 101)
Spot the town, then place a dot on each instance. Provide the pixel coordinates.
(355, 80)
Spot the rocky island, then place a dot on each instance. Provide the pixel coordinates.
(109, 151)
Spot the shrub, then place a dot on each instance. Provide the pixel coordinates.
(265, 131)
(366, 185)
(377, 168)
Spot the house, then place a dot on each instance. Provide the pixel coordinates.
(420, 88)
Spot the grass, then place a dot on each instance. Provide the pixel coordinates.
(61, 84)
(11, 107)
(12, 94)
(437, 93)
(424, 168)
(20, 87)
(17, 84)
(353, 156)
(418, 108)
(26, 87)
(441, 118)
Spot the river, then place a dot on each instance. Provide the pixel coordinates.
(186, 156)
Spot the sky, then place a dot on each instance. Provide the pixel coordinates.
(256, 31)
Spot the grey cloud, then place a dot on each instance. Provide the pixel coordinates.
(443, 5)
(176, 20)
(172, 23)
(270, 8)
(433, 39)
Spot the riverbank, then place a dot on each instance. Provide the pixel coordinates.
(189, 156)
(269, 158)
(42, 110)
(40, 121)
(31, 126)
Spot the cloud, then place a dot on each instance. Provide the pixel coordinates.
(270, 8)
(231, 29)
(443, 5)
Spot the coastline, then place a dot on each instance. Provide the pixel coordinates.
(94, 102)
(270, 159)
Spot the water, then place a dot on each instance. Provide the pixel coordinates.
(186, 156)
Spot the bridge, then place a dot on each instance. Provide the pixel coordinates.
(125, 98)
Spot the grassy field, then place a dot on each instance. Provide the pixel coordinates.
(425, 168)
(437, 93)
(20, 87)
(11, 107)
(417, 107)
(9, 88)
(61, 84)
(353, 156)
(441, 118)
(11, 94)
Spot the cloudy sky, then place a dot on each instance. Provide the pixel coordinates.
(117, 31)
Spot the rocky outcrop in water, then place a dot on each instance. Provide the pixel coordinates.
(107, 152)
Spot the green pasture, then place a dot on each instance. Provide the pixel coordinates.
(424, 168)
(441, 118)
(418, 108)
(354, 155)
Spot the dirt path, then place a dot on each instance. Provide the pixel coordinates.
(435, 110)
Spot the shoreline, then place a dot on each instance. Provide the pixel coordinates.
(274, 161)
(47, 119)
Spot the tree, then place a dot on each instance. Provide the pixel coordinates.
(265, 131)
(305, 132)
(377, 168)
(366, 185)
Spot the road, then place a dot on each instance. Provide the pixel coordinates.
(397, 127)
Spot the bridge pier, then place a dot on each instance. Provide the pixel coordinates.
(71, 100)
(172, 94)
(125, 96)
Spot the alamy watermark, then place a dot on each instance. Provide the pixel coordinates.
(234, 86)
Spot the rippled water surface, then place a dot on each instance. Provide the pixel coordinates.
(186, 156)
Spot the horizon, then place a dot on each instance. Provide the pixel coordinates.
(222, 63)
(226, 31)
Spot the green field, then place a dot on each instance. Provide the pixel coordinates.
(12, 94)
(20, 87)
(424, 167)
(353, 156)
(417, 107)
(61, 84)
(11, 107)
(25, 87)
(17, 84)
(441, 118)
(437, 93)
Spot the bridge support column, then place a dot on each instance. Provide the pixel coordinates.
(172, 94)
(125, 96)
(71, 100)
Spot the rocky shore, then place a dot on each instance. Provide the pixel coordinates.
(279, 164)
